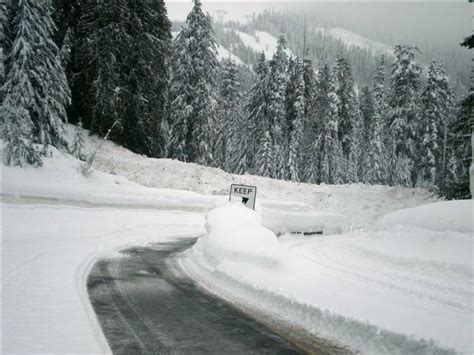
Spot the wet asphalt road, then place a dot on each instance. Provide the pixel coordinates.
(144, 306)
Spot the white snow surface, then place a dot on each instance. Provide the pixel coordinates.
(455, 216)
(401, 290)
(359, 204)
(56, 223)
(261, 42)
(223, 54)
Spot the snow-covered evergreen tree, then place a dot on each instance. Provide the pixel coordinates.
(347, 103)
(309, 166)
(181, 97)
(277, 109)
(404, 116)
(77, 148)
(4, 41)
(35, 92)
(331, 158)
(457, 183)
(375, 165)
(122, 64)
(232, 122)
(197, 112)
(436, 112)
(257, 117)
(298, 110)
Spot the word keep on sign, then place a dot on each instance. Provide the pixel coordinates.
(244, 194)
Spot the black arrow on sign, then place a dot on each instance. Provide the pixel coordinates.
(245, 200)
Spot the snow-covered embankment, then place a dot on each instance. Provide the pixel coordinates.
(391, 290)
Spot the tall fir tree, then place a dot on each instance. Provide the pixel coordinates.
(257, 116)
(298, 110)
(308, 165)
(36, 93)
(436, 112)
(201, 110)
(122, 63)
(347, 106)
(277, 109)
(375, 165)
(175, 129)
(4, 41)
(232, 122)
(404, 116)
(331, 160)
(457, 183)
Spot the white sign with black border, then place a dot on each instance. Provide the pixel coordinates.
(244, 194)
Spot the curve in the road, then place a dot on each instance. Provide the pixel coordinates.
(145, 307)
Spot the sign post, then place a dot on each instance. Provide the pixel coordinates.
(244, 194)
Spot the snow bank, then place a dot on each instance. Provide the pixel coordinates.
(281, 222)
(397, 291)
(441, 216)
(359, 204)
(234, 232)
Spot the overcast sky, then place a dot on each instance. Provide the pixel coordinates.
(435, 22)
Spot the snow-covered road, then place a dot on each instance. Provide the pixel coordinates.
(47, 251)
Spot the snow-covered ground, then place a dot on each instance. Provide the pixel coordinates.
(55, 223)
(399, 290)
(47, 251)
(261, 42)
(359, 204)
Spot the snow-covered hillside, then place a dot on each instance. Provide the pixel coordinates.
(261, 42)
(352, 39)
(55, 223)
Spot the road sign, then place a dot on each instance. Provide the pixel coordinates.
(244, 194)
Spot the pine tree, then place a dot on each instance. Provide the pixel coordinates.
(331, 160)
(298, 115)
(347, 106)
(257, 117)
(232, 122)
(146, 76)
(404, 116)
(375, 164)
(77, 148)
(277, 109)
(436, 112)
(457, 184)
(181, 97)
(122, 55)
(309, 166)
(4, 41)
(36, 92)
(197, 117)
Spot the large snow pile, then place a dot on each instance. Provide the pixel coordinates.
(235, 232)
(398, 291)
(442, 216)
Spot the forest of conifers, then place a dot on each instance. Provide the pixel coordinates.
(103, 64)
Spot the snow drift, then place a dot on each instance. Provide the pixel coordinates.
(441, 216)
(400, 290)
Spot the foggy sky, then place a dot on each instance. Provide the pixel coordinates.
(433, 22)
